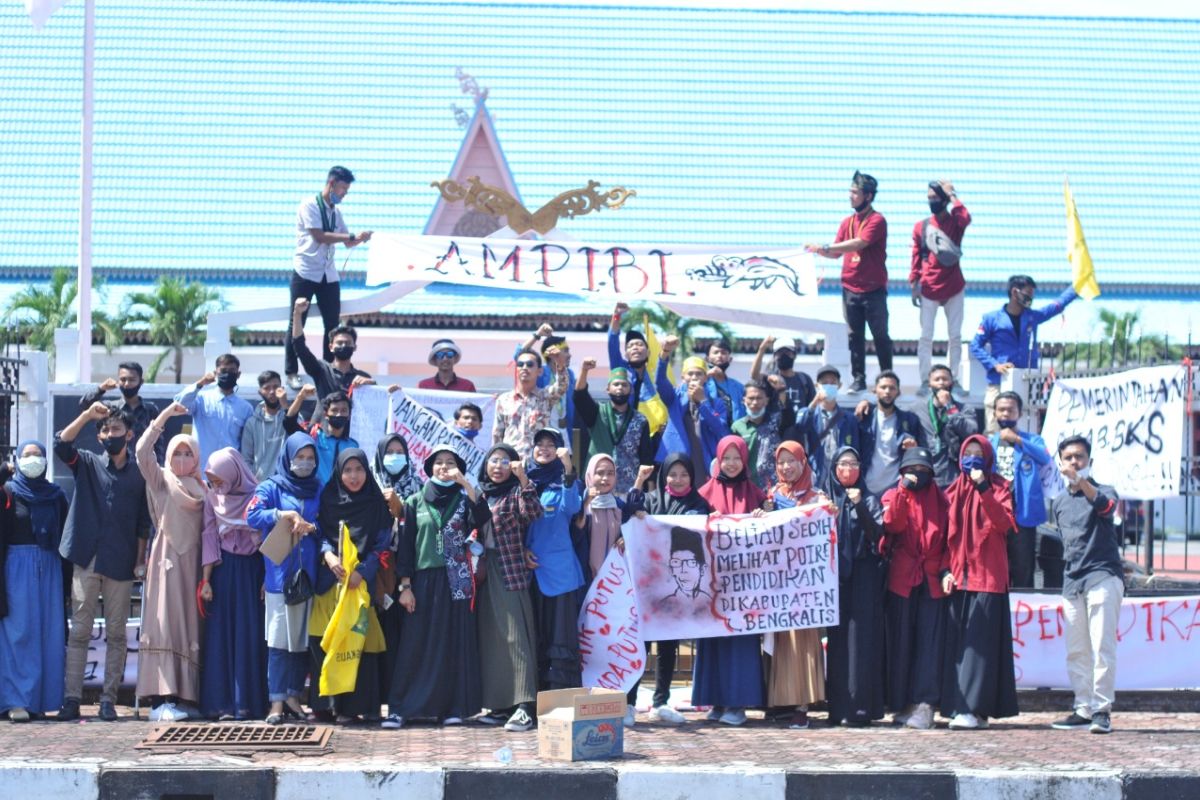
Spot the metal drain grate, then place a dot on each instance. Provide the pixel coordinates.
(306, 738)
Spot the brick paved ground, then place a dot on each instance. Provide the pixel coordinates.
(1141, 742)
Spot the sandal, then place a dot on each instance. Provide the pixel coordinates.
(275, 719)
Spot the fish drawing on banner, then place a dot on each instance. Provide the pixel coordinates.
(758, 271)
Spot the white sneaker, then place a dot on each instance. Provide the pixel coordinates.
(155, 714)
(714, 714)
(921, 717)
(392, 722)
(901, 717)
(666, 714)
(630, 716)
(451, 721)
(964, 722)
(172, 713)
(734, 717)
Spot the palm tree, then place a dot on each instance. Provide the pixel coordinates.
(1129, 346)
(39, 310)
(176, 313)
(667, 322)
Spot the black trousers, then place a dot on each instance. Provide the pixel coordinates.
(1050, 561)
(329, 298)
(862, 310)
(664, 673)
(1020, 557)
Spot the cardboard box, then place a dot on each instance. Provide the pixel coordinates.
(580, 724)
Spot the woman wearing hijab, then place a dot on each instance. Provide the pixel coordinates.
(437, 667)
(796, 677)
(978, 678)
(233, 683)
(289, 497)
(32, 620)
(393, 470)
(507, 631)
(675, 493)
(915, 520)
(854, 656)
(729, 674)
(558, 577)
(169, 645)
(398, 477)
(353, 498)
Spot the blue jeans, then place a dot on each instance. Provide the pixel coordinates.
(285, 674)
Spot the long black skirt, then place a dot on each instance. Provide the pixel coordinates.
(557, 622)
(391, 621)
(854, 658)
(978, 676)
(437, 668)
(916, 637)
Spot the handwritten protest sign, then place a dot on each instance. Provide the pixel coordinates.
(424, 430)
(698, 577)
(1134, 421)
(1158, 641)
(369, 419)
(609, 642)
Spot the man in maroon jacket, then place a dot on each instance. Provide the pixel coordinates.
(936, 277)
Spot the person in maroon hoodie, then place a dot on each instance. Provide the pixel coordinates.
(915, 520)
(936, 276)
(978, 677)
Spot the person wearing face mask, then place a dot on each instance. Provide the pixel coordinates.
(320, 228)
(936, 277)
(915, 521)
(800, 388)
(861, 244)
(615, 428)
(695, 422)
(336, 373)
(1020, 457)
(468, 420)
(824, 427)
(945, 423)
(768, 415)
(218, 414)
(1007, 337)
(33, 512)
(289, 496)
(332, 433)
(719, 386)
(978, 678)
(399, 478)
(263, 434)
(526, 409)
(105, 540)
(854, 655)
(169, 644)
(129, 381)
(233, 682)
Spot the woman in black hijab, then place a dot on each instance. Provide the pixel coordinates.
(854, 656)
(353, 498)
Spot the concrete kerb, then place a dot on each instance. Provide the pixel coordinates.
(50, 779)
(1040, 785)
(730, 782)
(376, 780)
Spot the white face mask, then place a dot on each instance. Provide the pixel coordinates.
(32, 466)
(1084, 473)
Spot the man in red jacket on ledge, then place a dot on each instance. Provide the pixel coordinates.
(936, 277)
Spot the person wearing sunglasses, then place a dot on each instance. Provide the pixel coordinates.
(526, 409)
(444, 355)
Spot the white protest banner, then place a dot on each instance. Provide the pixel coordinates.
(370, 415)
(611, 648)
(1134, 421)
(423, 431)
(1158, 642)
(700, 577)
(762, 285)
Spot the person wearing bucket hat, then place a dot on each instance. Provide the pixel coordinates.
(444, 355)
(915, 521)
(800, 387)
(615, 428)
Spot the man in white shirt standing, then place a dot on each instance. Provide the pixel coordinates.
(319, 228)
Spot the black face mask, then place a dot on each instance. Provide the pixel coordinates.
(923, 479)
(113, 444)
(130, 391)
(618, 399)
(785, 362)
(343, 352)
(227, 380)
(937, 206)
(339, 422)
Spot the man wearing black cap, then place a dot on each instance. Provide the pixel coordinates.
(635, 357)
(720, 386)
(936, 277)
(862, 245)
(445, 355)
(824, 427)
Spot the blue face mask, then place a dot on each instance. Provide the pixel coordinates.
(334, 198)
(969, 463)
(442, 483)
(395, 462)
(470, 433)
(756, 414)
(830, 390)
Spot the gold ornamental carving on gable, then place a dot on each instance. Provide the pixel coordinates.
(493, 200)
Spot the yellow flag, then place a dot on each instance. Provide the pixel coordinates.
(1084, 274)
(654, 410)
(347, 630)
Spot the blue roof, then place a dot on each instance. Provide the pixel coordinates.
(737, 126)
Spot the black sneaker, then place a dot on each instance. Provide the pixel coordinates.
(858, 386)
(1073, 722)
(69, 711)
(108, 712)
(1101, 722)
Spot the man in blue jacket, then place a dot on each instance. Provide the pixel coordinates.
(695, 421)
(1007, 338)
(824, 428)
(1020, 456)
(885, 431)
(634, 359)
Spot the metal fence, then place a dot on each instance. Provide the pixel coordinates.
(1142, 523)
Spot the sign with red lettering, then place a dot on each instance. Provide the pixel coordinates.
(736, 284)
(609, 640)
(1158, 642)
